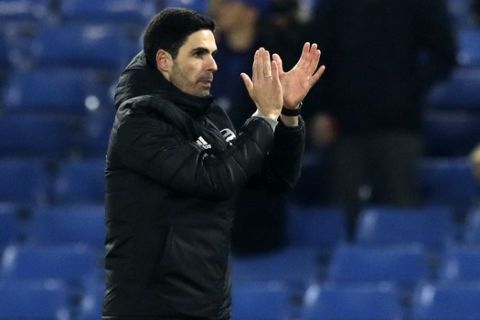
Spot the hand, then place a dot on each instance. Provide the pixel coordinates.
(264, 87)
(297, 82)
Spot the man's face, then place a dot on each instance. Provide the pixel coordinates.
(193, 68)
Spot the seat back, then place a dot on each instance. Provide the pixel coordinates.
(404, 265)
(69, 263)
(260, 301)
(333, 302)
(33, 300)
(92, 48)
(296, 266)
(9, 225)
(69, 224)
(22, 181)
(460, 264)
(49, 90)
(449, 182)
(318, 227)
(469, 47)
(136, 12)
(80, 181)
(431, 226)
(447, 302)
(19, 11)
(35, 135)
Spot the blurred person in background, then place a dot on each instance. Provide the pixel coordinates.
(383, 56)
(237, 40)
(243, 25)
(175, 164)
(475, 9)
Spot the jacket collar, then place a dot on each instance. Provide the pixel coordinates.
(141, 79)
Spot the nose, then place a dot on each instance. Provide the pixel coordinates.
(211, 64)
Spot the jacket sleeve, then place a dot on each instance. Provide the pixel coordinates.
(283, 166)
(158, 150)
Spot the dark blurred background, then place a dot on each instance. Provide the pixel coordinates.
(385, 221)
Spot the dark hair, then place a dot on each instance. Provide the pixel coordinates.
(170, 28)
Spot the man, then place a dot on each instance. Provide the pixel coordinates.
(175, 164)
(383, 55)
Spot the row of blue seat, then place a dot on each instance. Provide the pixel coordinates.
(29, 182)
(138, 10)
(353, 270)
(118, 11)
(35, 300)
(448, 182)
(322, 229)
(94, 44)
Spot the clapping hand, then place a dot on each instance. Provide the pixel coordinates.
(297, 82)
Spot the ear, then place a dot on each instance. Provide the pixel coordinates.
(164, 61)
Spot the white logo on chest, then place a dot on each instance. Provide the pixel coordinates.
(203, 143)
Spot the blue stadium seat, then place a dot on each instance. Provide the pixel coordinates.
(469, 46)
(460, 11)
(367, 302)
(296, 266)
(22, 181)
(404, 266)
(50, 90)
(448, 182)
(68, 263)
(108, 11)
(30, 135)
(460, 264)
(95, 46)
(92, 300)
(431, 227)
(318, 227)
(68, 224)
(447, 302)
(459, 92)
(450, 134)
(9, 225)
(33, 300)
(472, 227)
(254, 301)
(18, 11)
(196, 5)
(96, 133)
(80, 181)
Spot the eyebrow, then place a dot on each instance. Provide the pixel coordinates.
(202, 50)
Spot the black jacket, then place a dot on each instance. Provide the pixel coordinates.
(173, 171)
(382, 56)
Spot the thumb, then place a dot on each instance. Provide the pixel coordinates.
(248, 83)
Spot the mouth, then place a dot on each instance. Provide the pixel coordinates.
(206, 79)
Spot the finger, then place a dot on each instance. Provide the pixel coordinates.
(279, 62)
(317, 75)
(255, 67)
(304, 56)
(314, 59)
(261, 63)
(311, 64)
(248, 83)
(275, 72)
(267, 65)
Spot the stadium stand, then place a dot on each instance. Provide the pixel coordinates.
(59, 60)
